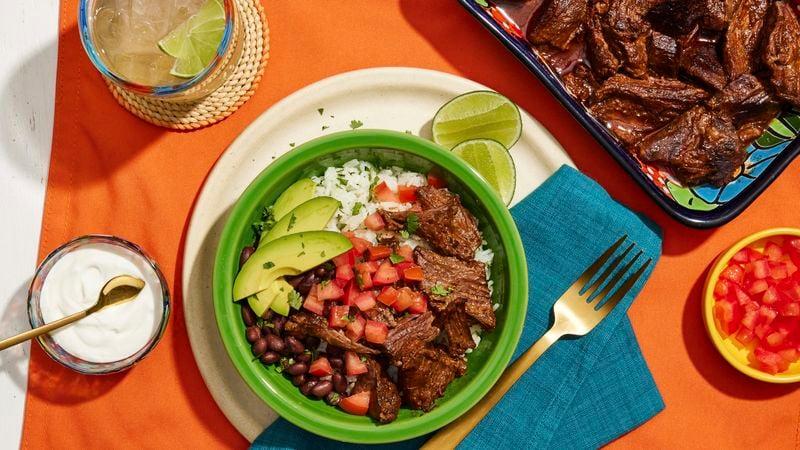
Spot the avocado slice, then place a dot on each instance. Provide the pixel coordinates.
(300, 192)
(308, 216)
(276, 297)
(288, 255)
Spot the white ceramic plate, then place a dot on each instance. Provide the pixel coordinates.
(402, 99)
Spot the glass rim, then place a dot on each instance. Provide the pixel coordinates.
(55, 351)
(161, 90)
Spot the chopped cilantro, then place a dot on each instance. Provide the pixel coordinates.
(357, 208)
(404, 234)
(268, 325)
(322, 254)
(291, 144)
(408, 132)
(292, 220)
(301, 254)
(263, 225)
(412, 223)
(325, 127)
(363, 358)
(269, 265)
(328, 265)
(295, 300)
(440, 290)
(320, 110)
(396, 259)
(356, 124)
(340, 226)
(334, 398)
(349, 318)
(483, 3)
(302, 244)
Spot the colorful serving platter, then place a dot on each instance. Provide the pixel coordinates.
(701, 206)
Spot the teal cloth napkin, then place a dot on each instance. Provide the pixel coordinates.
(582, 393)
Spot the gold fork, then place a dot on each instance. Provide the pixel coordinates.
(576, 313)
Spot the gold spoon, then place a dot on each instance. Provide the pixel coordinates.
(116, 291)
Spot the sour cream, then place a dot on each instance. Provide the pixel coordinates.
(117, 332)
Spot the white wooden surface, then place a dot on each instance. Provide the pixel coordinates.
(28, 49)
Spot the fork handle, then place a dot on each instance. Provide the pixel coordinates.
(451, 435)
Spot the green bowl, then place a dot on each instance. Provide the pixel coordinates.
(509, 273)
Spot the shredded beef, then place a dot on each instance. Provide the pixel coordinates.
(446, 224)
(426, 374)
(455, 325)
(743, 36)
(782, 53)
(314, 325)
(558, 22)
(384, 397)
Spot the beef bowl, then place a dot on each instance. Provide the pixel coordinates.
(370, 287)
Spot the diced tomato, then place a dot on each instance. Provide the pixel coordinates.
(733, 273)
(405, 298)
(374, 222)
(435, 181)
(791, 309)
(356, 404)
(770, 296)
(406, 252)
(769, 362)
(359, 245)
(386, 274)
(413, 273)
(741, 296)
(742, 256)
(378, 252)
(760, 269)
(419, 305)
(402, 266)
(355, 329)
(344, 272)
(789, 355)
(321, 367)
(749, 319)
(778, 271)
(365, 301)
(792, 290)
(383, 193)
(313, 303)
(754, 255)
(337, 317)
(353, 364)
(375, 332)
(388, 296)
(757, 287)
(776, 338)
(407, 194)
(364, 280)
(773, 251)
(721, 289)
(761, 330)
(745, 336)
(329, 291)
(346, 258)
(368, 266)
(767, 314)
(729, 315)
(351, 292)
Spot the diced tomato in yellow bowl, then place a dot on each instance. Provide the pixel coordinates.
(751, 305)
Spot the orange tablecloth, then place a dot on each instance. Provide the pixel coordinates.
(112, 173)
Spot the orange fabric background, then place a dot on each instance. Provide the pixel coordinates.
(113, 173)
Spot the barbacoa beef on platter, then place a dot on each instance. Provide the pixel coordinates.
(643, 67)
(303, 323)
(385, 399)
(782, 53)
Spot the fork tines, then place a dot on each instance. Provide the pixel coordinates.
(613, 290)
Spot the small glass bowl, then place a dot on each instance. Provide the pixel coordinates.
(56, 352)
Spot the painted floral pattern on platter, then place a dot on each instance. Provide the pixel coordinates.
(760, 154)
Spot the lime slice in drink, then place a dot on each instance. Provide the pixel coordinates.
(194, 43)
(491, 160)
(477, 115)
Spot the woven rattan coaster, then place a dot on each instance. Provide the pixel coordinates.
(222, 102)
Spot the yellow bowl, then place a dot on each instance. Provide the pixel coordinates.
(730, 349)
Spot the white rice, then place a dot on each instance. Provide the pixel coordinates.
(352, 185)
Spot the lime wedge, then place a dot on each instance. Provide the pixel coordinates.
(491, 160)
(477, 115)
(194, 43)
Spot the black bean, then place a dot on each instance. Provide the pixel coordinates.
(276, 344)
(334, 351)
(270, 358)
(297, 368)
(307, 386)
(259, 347)
(297, 380)
(252, 334)
(303, 357)
(304, 287)
(267, 314)
(247, 252)
(311, 342)
(333, 398)
(277, 324)
(336, 363)
(295, 346)
(295, 280)
(320, 272)
(248, 316)
(339, 382)
(266, 330)
(322, 389)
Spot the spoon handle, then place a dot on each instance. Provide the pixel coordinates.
(30, 334)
